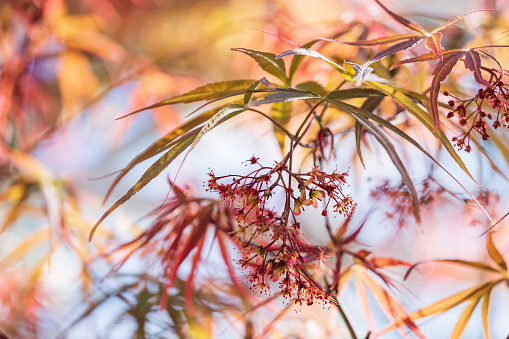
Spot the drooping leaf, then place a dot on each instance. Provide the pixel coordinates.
(207, 92)
(494, 253)
(281, 113)
(425, 119)
(153, 171)
(389, 147)
(167, 141)
(440, 72)
(268, 62)
(369, 105)
(311, 53)
(402, 20)
(221, 116)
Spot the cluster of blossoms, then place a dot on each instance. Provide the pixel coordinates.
(496, 95)
(271, 244)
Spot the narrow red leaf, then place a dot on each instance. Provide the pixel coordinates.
(473, 63)
(433, 44)
(402, 20)
(376, 42)
(394, 49)
(424, 58)
(440, 72)
(448, 23)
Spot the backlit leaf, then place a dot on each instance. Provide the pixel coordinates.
(425, 119)
(485, 309)
(153, 171)
(440, 72)
(355, 93)
(433, 44)
(465, 316)
(210, 91)
(268, 62)
(281, 113)
(389, 147)
(284, 95)
(494, 253)
(311, 53)
(473, 63)
(167, 141)
(297, 59)
(402, 20)
(376, 42)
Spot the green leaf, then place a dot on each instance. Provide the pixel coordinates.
(281, 113)
(250, 91)
(297, 59)
(210, 91)
(389, 147)
(425, 119)
(494, 253)
(153, 171)
(268, 62)
(358, 137)
(369, 105)
(285, 95)
(164, 143)
(312, 86)
(352, 93)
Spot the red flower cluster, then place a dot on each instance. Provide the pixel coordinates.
(495, 95)
(273, 248)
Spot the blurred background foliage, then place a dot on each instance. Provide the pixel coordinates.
(69, 68)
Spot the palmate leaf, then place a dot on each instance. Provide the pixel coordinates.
(268, 62)
(469, 294)
(403, 41)
(210, 91)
